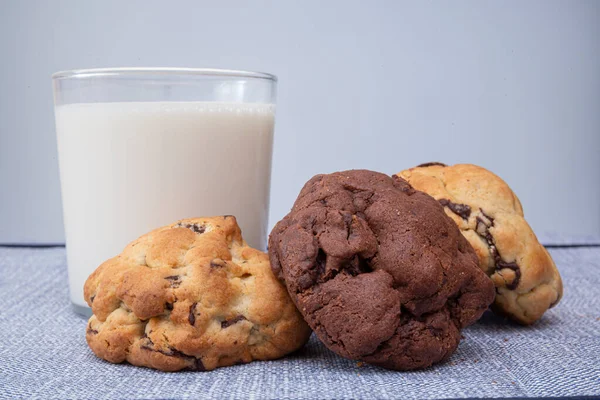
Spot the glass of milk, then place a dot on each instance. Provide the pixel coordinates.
(139, 148)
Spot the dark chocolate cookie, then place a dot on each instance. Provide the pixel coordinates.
(378, 270)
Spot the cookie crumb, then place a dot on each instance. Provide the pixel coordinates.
(462, 337)
(360, 364)
(506, 339)
(494, 383)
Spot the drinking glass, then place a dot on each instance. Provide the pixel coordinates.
(139, 148)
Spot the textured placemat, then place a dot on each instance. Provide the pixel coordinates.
(43, 353)
(558, 239)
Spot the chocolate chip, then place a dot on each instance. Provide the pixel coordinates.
(192, 314)
(148, 344)
(483, 229)
(197, 364)
(462, 210)
(217, 263)
(194, 227)
(91, 331)
(431, 164)
(198, 229)
(227, 216)
(169, 306)
(401, 184)
(488, 217)
(175, 280)
(229, 322)
(172, 351)
(92, 298)
(514, 267)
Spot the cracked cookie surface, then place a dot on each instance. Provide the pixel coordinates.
(377, 269)
(490, 216)
(191, 295)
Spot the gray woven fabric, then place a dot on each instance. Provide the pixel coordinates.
(558, 239)
(43, 353)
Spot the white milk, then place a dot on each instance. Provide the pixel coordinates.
(127, 168)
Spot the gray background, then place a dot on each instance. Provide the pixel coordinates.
(512, 86)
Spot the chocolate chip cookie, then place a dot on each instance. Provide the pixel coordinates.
(377, 269)
(191, 295)
(490, 216)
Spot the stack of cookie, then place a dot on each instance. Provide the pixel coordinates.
(383, 269)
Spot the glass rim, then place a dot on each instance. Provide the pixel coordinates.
(166, 71)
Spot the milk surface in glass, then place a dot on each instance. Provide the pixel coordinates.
(127, 168)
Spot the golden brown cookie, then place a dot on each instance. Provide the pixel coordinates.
(191, 295)
(490, 216)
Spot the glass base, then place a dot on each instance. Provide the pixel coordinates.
(81, 310)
